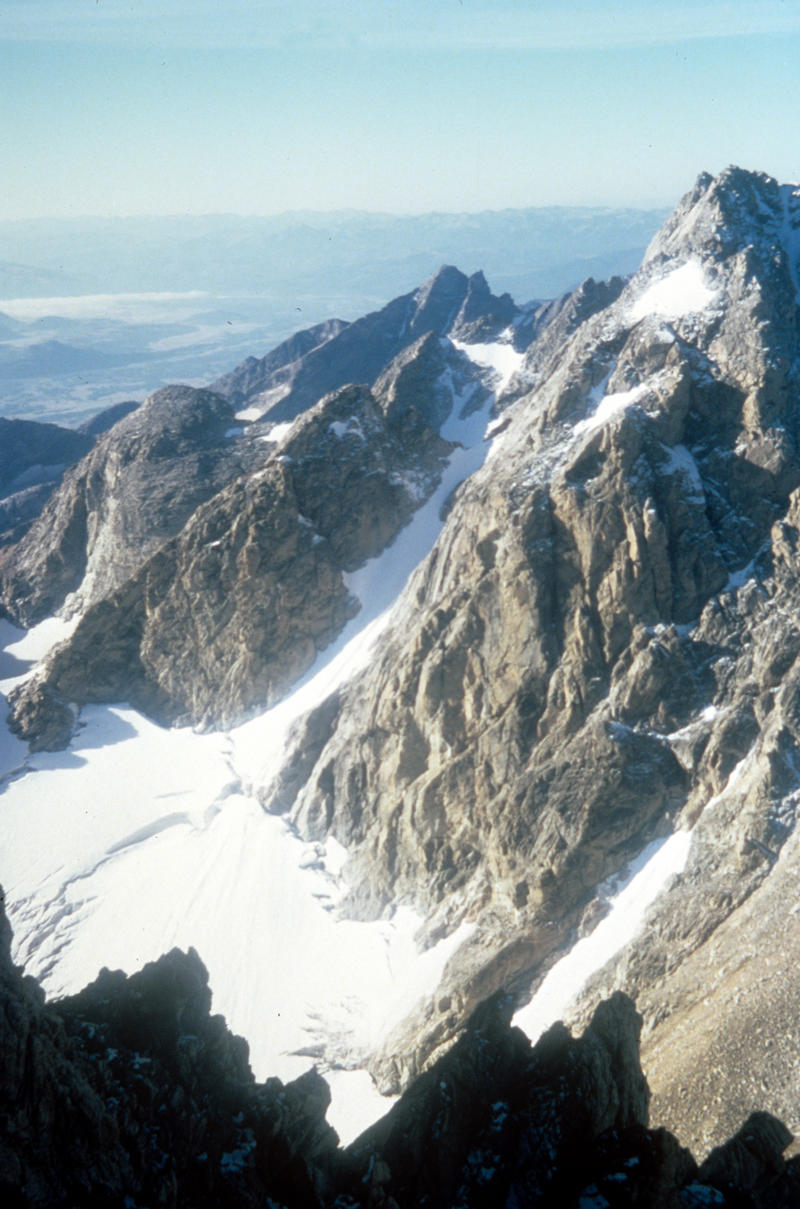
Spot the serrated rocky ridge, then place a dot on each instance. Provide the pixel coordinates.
(598, 651)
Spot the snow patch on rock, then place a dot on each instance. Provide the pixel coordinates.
(641, 884)
(683, 291)
(499, 356)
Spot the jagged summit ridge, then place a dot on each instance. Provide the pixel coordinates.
(728, 213)
(598, 647)
(449, 303)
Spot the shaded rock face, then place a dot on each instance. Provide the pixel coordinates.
(96, 425)
(545, 328)
(277, 369)
(229, 613)
(497, 1122)
(541, 706)
(33, 458)
(163, 535)
(131, 1092)
(138, 486)
(28, 449)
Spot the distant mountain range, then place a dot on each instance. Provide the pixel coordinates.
(357, 258)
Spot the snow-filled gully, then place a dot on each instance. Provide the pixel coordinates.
(138, 839)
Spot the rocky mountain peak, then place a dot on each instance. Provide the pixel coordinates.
(437, 300)
(411, 387)
(136, 487)
(596, 658)
(482, 315)
(723, 216)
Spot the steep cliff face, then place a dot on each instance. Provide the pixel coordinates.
(33, 457)
(231, 611)
(276, 370)
(160, 535)
(138, 486)
(573, 670)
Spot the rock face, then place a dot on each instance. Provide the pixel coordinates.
(602, 633)
(600, 648)
(138, 486)
(131, 1092)
(33, 457)
(165, 531)
(275, 371)
(96, 425)
(232, 610)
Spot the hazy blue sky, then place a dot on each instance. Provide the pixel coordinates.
(197, 106)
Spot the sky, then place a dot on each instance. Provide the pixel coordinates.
(124, 107)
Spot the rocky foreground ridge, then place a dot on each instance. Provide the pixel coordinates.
(131, 1093)
(599, 650)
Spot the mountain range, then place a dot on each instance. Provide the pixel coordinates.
(464, 637)
(106, 310)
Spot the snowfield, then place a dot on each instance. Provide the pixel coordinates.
(499, 357)
(138, 839)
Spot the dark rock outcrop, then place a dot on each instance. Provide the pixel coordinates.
(96, 425)
(33, 458)
(132, 1093)
(139, 485)
(28, 450)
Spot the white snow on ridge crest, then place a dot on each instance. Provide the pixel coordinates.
(681, 292)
